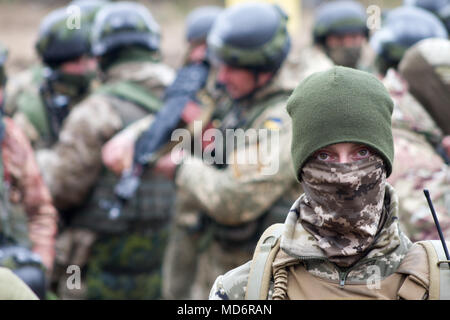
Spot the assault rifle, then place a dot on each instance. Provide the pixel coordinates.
(154, 141)
(56, 105)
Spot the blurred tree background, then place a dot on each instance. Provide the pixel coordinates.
(20, 19)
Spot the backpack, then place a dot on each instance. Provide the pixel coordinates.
(269, 244)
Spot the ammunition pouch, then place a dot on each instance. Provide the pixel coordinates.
(150, 209)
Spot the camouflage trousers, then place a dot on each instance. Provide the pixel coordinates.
(193, 261)
(126, 266)
(122, 267)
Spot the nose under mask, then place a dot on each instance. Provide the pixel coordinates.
(343, 206)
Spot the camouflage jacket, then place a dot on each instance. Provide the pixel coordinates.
(243, 190)
(28, 193)
(408, 112)
(416, 167)
(72, 166)
(385, 255)
(27, 107)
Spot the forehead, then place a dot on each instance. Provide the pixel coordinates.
(344, 146)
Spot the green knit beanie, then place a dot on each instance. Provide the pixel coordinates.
(340, 105)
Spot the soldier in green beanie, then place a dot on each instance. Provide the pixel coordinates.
(341, 238)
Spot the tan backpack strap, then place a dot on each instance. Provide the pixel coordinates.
(439, 288)
(442, 269)
(415, 269)
(261, 267)
(411, 289)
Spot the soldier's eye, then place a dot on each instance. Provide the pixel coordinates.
(323, 156)
(363, 153)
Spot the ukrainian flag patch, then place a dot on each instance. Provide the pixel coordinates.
(273, 123)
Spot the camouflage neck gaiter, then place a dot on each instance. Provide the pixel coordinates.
(344, 56)
(343, 206)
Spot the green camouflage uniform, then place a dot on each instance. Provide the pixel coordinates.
(121, 257)
(39, 98)
(220, 217)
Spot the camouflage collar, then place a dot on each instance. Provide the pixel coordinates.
(155, 74)
(388, 250)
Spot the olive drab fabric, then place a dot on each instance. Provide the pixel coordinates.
(343, 89)
(26, 106)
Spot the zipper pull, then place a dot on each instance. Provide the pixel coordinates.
(342, 280)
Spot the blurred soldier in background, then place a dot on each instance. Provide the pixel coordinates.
(28, 219)
(42, 97)
(121, 254)
(193, 95)
(340, 31)
(218, 215)
(426, 67)
(397, 34)
(420, 156)
(441, 8)
(390, 44)
(194, 86)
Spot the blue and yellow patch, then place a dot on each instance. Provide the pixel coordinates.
(273, 123)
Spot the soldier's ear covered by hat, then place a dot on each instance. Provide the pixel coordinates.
(340, 105)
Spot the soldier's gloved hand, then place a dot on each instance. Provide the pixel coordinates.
(117, 153)
(446, 145)
(167, 164)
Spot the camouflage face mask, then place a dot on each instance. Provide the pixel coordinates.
(343, 206)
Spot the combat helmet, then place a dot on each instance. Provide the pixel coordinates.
(339, 17)
(64, 34)
(200, 21)
(444, 15)
(124, 24)
(430, 5)
(440, 8)
(398, 34)
(260, 44)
